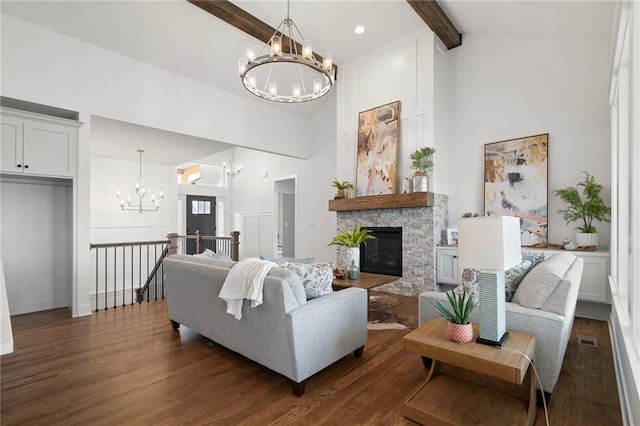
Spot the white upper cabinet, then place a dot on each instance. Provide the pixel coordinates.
(39, 145)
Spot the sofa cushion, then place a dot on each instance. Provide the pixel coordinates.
(542, 280)
(316, 277)
(512, 278)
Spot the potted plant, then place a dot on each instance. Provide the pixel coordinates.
(459, 329)
(341, 186)
(588, 207)
(421, 161)
(352, 241)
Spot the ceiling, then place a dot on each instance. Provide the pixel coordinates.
(179, 37)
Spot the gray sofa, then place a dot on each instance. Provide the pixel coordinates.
(550, 320)
(287, 334)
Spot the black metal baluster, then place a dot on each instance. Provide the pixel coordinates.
(97, 268)
(105, 279)
(155, 277)
(124, 279)
(147, 270)
(115, 277)
(139, 266)
(132, 299)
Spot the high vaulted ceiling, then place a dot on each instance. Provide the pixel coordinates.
(182, 38)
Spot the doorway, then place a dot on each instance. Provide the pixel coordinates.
(285, 191)
(201, 216)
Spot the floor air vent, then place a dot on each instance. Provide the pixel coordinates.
(588, 340)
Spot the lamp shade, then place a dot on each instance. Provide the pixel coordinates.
(491, 242)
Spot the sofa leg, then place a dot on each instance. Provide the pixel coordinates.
(358, 352)
(540, 395)
(298, 388)
(426, 362)
(175, 324)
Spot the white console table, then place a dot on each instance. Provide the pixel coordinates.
(593, 288)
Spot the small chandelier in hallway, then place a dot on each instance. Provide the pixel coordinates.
(140, 202)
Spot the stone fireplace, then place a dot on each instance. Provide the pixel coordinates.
(423, 218)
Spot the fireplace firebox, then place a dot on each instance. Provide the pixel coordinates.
(382, 255)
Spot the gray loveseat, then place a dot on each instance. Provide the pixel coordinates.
(550, 318)
(288, 334)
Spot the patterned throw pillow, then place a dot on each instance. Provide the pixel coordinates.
(316, 277)
(534, 257)
(512, 279)
(282, 260)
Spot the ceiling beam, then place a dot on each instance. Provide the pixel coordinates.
(433, 15)
(246, 22)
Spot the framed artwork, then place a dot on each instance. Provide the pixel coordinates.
(377, 155)
(452, 236)
(515, 184)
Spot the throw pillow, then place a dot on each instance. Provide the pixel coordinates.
(207, 254)
(542, 280)
(512, 278)
(534, 257)
(316, 277)
(222, 256)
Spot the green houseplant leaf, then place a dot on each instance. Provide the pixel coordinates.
(358, 236)
(421, 158)
(588, 207)
(459, 309)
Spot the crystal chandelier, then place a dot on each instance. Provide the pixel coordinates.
(139, 203)
(285, 70)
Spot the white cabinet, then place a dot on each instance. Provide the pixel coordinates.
(593, 287)
(447, 265)
(39, 145)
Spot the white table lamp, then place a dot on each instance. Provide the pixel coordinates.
(492, 245)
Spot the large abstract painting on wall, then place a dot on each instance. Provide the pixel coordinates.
(377, 156)
(515, 184)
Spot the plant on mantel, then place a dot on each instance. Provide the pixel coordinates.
(341, 186)
(422, 161)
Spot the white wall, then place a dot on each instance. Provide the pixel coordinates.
(45, 67)
(401, 70)
(111, 224)
(253, 195)
(513, 87)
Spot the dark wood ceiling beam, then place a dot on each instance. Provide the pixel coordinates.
(433, 15)
(246, 22)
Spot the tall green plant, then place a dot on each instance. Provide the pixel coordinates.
(586, 208)
(461, 307)
(352, 239)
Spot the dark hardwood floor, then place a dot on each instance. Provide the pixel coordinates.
(127, 366)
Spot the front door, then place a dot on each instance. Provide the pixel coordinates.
(201, 216)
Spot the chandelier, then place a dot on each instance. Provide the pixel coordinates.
(139, 203)
(285, 70)
(231, 171)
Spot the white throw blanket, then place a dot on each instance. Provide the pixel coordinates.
(245, 281)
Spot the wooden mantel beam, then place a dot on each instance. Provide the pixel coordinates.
(433, 15)
(244, 21)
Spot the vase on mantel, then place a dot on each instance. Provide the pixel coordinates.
(420, 182)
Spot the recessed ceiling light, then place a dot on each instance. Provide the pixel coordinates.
(359, 29)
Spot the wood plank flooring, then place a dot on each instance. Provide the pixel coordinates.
(127, 366)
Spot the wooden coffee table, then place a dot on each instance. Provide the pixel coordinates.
(365, 280)
(471, 383)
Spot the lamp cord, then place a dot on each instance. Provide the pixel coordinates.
(544, 401)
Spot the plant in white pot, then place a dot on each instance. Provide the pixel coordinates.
(587, 208)
(422, 162)
(352, 241)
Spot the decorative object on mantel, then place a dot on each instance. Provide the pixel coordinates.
(377, 152)
(515, 183)
(422, 162)
(143, 204)
(459, 329)
(307, 75)
(352, 241)
(407, 186)
(491, 244)
(470, 214)
(586, 209)
(343, 188)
